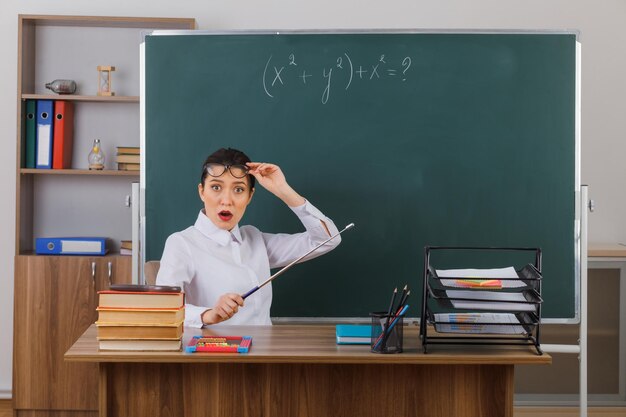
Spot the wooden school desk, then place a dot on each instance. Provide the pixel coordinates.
(300, 371)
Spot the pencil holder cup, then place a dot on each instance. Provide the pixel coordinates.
(386, 333)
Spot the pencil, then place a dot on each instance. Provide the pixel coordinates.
(390, 310)
(402, 298)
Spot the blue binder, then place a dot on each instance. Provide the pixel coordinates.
(70, 246)
(45, 112)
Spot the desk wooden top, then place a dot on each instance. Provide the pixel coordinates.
(603, 250)
(313, 344)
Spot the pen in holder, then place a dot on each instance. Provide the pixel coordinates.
(386, 338)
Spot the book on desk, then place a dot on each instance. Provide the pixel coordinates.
(353, 334)
(140, 318)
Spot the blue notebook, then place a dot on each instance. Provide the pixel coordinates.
(353, 334)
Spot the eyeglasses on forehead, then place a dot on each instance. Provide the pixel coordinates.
(236, 170)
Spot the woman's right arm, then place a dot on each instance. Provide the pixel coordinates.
(177, 269)
(227, 305)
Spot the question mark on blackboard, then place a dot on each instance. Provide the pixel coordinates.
(406, 61)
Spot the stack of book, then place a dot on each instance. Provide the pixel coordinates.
(139, 319)
(127, 158)
(126, 247)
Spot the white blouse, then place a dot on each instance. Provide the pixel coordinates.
(207, 261)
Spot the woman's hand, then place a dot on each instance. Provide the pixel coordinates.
(271, 177)
(226, 307)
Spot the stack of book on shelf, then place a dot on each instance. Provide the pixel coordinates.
(127, 158)
(126, 247)
(141, 318)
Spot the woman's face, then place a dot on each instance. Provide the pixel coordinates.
(225, 199)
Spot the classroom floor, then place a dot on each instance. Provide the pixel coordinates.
(7, 411)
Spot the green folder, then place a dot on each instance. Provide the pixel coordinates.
(31, 133)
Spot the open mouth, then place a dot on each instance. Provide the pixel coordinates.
(225, 215)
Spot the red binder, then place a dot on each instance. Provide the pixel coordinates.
(63, 134)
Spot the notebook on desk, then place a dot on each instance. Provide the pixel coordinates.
(353, 334)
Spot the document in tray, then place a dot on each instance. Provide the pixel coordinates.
(499, 323)
(494, 273)
(502, 301)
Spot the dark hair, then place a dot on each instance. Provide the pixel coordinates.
(226, 156)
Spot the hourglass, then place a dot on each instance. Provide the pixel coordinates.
(104, 80)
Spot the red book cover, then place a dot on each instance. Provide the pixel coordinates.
(63, 139)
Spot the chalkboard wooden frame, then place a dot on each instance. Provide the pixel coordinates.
(571, 315)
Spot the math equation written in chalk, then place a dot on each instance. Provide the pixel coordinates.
(341, 73)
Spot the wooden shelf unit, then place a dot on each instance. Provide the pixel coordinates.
(104, 172)
(56, 296)
(38, 63)
(72, 97)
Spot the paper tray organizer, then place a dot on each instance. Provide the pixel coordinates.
(527, 321)
(436, 300)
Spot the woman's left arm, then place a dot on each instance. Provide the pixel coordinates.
(272, 178)
(284, 248)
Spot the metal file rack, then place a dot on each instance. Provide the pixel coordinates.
(436, 298)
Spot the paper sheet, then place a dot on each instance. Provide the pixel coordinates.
(494, 273)
(465, 323)
(490, 300)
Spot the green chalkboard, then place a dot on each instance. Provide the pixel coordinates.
(454, 139)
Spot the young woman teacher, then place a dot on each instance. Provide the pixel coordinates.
(216, 260)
